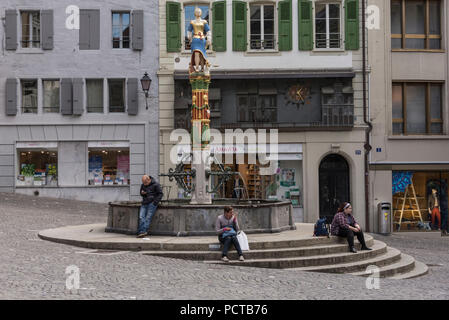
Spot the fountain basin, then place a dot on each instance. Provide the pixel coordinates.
(180, 218)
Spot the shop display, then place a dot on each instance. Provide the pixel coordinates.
(420, 200)
(108, 167)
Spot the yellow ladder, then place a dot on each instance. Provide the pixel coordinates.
(411, 198)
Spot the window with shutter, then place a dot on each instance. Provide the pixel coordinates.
(285, 25)
(219, 26)
(305, 25)
(11, 97)
(47, 29)
(352, 25)
(239, 39)
(133, 99)
(11, 29)
(173, 25)
(89, 34)
(137, 30)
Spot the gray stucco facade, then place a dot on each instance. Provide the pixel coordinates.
(66, 57)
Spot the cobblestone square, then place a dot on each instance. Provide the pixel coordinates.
(32, 268)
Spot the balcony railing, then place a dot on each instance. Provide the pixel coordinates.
(337, 115)
(257, 43)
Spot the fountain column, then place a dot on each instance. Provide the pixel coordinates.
(200, 137)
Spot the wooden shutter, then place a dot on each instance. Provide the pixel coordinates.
(285, 25)
(94, 19)
(84, 30)
(219, 26)
(352, 25)
(137, 30)
(66, 97)
(305, 24)
(11, 29)
(133, 99)
(89, 30)
(173, 25)
(239, 37)
(78, 96)
(11, 97)
(47, 29)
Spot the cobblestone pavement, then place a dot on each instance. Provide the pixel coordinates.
(31, 268)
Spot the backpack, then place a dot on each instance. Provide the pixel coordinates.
(321, 228)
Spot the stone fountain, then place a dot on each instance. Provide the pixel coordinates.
(196, 217)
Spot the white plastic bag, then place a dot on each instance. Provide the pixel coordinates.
(243, 241)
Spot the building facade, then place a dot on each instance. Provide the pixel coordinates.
(292, 66)
(73, 117)
(408, 102)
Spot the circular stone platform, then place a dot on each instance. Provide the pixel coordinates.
(295, 249)
(179, 218)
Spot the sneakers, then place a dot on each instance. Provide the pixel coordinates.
(241, 258)
(353, 250)
(141, 235)
(225, 259)
(444, 233)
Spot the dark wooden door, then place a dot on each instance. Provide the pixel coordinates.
(334, 184)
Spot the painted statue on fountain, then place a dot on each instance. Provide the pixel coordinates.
(199, 35)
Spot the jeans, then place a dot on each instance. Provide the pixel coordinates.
(145, 215)
(349, 235)
(227, 243)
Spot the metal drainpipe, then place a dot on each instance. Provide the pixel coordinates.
(366, 121)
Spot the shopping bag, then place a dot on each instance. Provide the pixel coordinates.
(243, 241)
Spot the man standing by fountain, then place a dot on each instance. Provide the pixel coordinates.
(151, 193)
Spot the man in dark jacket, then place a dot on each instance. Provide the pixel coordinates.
(151, 193)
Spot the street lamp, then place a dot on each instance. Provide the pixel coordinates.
(146, 83)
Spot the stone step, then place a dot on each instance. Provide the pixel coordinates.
(389, 257)
(404, 265)
(420, 269)
(378, 247)
(260, 253)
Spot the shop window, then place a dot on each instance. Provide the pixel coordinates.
(51, 95)
(29, 96)
(417, 108)
(422, 21)
(37, 168)
(109, 166)
(416, 207)
(189, 15)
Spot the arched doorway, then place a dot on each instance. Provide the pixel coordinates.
(334, 184)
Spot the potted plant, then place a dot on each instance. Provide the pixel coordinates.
(28, 171)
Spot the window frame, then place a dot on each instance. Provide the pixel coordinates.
(429, 121)
(262, 19)
(121, 12)
(22, 80)
(426, 36)
(183, 23)
(124, 95)
(102, 95)
(44, 109)
(342, 26)
(30, 30)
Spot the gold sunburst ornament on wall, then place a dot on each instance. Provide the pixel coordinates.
(299, 94)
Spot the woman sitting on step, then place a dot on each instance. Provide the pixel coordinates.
(344, 225)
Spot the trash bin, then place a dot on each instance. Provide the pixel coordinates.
(385, 221)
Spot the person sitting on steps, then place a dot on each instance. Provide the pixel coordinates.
(344, 225)
(227, 227)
